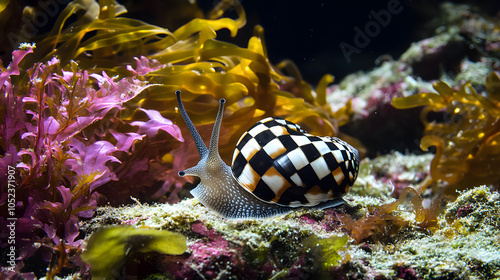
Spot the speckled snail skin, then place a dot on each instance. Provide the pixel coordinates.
(276, 168)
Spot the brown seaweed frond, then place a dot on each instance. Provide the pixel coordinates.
(385, 223)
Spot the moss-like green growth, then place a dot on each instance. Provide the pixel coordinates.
(255, 257)
(158, 276)
(326, 249)
(109, 248)
(376, 177)
(463, 246)
(476, 209)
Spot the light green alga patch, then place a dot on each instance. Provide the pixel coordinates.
(109, 248)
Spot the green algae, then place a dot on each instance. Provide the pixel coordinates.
(255, 256)
(327, 249)
(283, 244)
(158, 276)
(474, 210)
(464, 246)
(109, 248)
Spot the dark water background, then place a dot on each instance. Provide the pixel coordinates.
(309, 32)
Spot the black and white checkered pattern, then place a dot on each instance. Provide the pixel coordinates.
(279, 162)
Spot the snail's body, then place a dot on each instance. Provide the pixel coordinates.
(231, 198)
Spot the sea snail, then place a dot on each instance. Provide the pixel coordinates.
(276, 168)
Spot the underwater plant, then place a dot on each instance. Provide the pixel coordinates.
(326, 250)
(204, 68)
(467, 139)
(109, 248)
(99, 37)
(59, 132)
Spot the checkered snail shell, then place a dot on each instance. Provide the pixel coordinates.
(276, 168)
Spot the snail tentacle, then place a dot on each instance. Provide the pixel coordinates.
(200, 145)
(213, 148)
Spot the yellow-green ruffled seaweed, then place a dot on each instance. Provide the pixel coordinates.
(109, 248)
(468, 142)
(204, 68)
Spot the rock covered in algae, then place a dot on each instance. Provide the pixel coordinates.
(315, 244)
(453, 251)
(228, 249)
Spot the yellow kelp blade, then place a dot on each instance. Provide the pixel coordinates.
(109, 248)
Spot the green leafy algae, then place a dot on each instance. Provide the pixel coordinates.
(327, 249)
(255, 257)
(109, 248)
